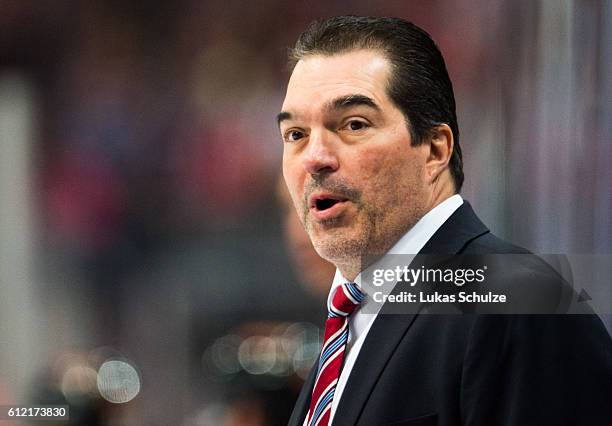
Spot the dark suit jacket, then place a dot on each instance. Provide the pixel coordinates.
(475, 369)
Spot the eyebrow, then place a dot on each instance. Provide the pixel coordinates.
(349, 101)
(342, 102)
(282, 116)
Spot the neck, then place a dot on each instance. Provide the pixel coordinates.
(443, 189)
(350, 272)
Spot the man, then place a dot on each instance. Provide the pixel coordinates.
(373, 165)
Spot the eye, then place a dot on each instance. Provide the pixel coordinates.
(356, 125)
(293, 135)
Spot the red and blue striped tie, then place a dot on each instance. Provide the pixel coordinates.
(344, 301)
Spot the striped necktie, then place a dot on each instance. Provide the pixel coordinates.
(344, 301)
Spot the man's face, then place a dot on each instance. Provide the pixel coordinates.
(357, 183)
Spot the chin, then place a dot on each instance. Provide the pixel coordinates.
(339, 249)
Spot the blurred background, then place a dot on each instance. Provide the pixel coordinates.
(151, 272)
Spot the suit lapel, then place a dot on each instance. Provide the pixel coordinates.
(387, 331)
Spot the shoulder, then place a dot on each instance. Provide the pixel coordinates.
(489, 243)
(512, 261)
(531, 283)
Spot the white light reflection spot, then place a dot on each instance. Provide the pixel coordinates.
(257, 354)
(78, 381)
(118, 381)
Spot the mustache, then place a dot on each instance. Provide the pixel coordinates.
(336, 185)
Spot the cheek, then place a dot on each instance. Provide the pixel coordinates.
(291, 175)
(386, 169)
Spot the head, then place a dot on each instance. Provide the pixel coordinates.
(370, 135)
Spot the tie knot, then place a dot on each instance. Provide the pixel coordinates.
(345, 299)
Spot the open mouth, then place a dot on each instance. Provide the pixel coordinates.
(325, 203)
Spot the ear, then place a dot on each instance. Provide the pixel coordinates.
(441, 143)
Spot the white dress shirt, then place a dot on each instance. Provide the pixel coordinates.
(359, 324)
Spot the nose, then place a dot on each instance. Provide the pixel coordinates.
(320, 155)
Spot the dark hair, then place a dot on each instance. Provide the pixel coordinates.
(419, 84)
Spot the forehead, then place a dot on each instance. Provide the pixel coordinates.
(318, 78)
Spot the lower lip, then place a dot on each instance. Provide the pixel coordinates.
(330, 213)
